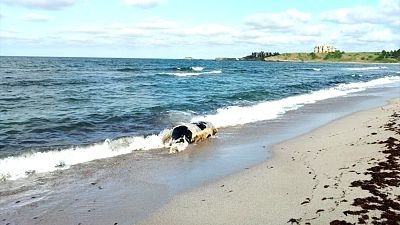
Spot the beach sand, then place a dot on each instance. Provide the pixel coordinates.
(344, 172)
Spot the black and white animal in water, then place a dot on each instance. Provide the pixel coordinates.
(179, 137)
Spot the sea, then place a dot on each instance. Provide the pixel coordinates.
(59, 112)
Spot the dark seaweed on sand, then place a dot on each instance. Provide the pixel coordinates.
(384, 175)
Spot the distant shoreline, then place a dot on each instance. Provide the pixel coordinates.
(327, 61)
(351, 57)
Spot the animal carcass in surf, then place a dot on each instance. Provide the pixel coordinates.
(179, 137)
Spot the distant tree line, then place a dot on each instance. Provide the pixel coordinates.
(334, 55)
(389, 54)
(260, 55)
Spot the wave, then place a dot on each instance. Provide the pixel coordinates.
(239, 115)
(128, 70)
(366, 68)
(15, 167)
(312, 69)
(179, 74)
(193, 68)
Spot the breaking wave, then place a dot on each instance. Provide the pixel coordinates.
(366, 68)
(193, 68)
(15, 167)
(239, 115)
(188, 74)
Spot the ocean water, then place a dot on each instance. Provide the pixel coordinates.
(58, 112)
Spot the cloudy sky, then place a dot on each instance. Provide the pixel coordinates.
(201, 29)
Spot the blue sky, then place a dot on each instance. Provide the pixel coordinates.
(201, 29)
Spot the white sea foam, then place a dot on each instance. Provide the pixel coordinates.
(194, 68)
(20, 166)
(238, 115)
(17, 167)
(193, 73)
(366, 68)
(197, 68)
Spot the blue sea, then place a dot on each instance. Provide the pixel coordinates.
(58, 112)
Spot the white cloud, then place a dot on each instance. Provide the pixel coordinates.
(213, 30)
(281, 20)
(144, 4)
(41, 4)
(354, 15)
(390, 6)
(380, 36)
(157, 24)
(8, 34)
(87, 29)
(128, 31)
(112, 32)
(387, 12)
(356, 30)
(35, 17)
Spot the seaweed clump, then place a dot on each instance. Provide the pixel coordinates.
(385, 176)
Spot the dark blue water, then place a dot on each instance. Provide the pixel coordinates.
(55, 103)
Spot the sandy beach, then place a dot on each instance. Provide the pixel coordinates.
(345, 172)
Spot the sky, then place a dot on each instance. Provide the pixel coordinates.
(200, 29)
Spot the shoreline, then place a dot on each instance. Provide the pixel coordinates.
(301, 183)
(129, 188)
(326, 61)
(337, 56)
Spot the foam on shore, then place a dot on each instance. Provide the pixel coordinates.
(238, 115)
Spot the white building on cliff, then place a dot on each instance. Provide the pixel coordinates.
(324, 49)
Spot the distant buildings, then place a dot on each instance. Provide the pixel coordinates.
(324, 49)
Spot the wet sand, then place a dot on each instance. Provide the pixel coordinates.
(342, 173)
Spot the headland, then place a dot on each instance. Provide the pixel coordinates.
(340, 57)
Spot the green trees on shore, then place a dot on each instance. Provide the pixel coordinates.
(387, 55)
(334, 55)
(337, 56)
(260, 55)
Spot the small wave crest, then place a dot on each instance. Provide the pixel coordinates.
(366, 68)
(239, 115)
(127, 70)
(193, 68)
(311, 69)
(182, 74)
